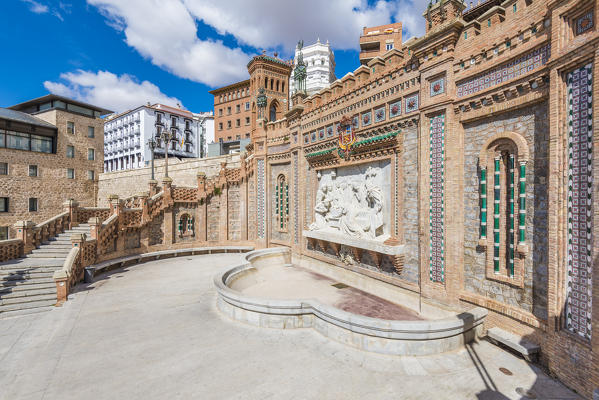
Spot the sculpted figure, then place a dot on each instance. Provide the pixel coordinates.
(322, 207)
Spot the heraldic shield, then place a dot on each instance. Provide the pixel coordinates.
(347, 136)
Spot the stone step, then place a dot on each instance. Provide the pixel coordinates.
(48, 249)
(26, 311)
(27, 305)
(26, 275)
(27, 285)
(29, 270)
(23, 300)
(7, 294)
(56, 245)
(46, 255)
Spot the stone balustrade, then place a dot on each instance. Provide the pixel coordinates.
(10, 249)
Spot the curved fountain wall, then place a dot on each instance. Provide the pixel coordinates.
(370, 334)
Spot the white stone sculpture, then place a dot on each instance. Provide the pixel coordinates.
(351, 204)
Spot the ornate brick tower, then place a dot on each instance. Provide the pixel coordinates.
(271, 74)
(440, 12)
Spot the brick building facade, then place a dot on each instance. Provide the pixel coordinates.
(483, 134)
(36, 179)
(232, 112)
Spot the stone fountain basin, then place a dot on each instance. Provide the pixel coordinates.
(268, 291)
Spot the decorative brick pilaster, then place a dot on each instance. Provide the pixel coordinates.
(71, 207)
(94, 223)
(25, 233)
(153, 184)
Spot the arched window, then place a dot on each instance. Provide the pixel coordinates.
(272, 83)
(282, 86)
(273, 112)
(282, 202)
(186, 228)
(503, 184)
(266, 82)
(277, 85)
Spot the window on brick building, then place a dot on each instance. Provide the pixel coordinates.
(70, 173)
(32, 204)
(91, 175)
(247, 105)
(247, 135)
(3, 232)
(220, 112)
(389, 46)
(228, 110)
(238, 137)
(91, 154)
(70, 151)
(71, 127)
(247, 120)
(220, 126)
(3, 168)
(33, 170)
(91, 132)
(237, 123)
(228, 124)
(238, 108)
(3, 204)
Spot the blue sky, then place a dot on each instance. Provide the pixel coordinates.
(122, 53)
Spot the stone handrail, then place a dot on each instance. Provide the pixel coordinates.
(66, 277)
(50, 228)
(10, 249)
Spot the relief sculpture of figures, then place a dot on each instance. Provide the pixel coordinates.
(352, 205)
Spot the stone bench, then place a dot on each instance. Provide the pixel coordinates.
(529, 350)
(109, 265)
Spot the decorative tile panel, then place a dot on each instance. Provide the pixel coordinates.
(321, 134)
(395, 109)
(585, 23)
(306, 138)
(519, 66)
(411, 103)
(355, 121)
(330, 131)
(295, 167)
(437, 87)
(261, 201)
(436, 210)
(379, 114)
(580, 200)
(367, 118)
(313, 136)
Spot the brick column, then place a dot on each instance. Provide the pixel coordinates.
(25, 233)
(71, 207)
(77, 240)
(202, 215)
(94, 223)
(169, 223)
(153, 184)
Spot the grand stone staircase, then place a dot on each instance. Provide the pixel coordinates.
(26, 284)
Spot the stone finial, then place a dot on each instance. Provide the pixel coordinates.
(167, 180)
(113, 197)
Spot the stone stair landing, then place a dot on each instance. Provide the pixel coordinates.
(26, 284)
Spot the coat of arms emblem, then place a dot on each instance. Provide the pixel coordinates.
(347, 136)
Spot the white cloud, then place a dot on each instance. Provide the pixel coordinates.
(409, 13)
(105, 89)
(165, 32)
(269, 24)
(36, 7)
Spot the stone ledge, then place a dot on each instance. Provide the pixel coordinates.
(108, 265)
(366, 333)
(364, 244)
(528, 349)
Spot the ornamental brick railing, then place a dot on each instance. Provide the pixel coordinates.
(10, 249)
(107, 234)
(85, 213)
(185, 194)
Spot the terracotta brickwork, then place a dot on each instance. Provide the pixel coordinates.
(232, 112)
(477, 110)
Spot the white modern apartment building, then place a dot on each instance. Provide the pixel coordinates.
(126, 135)
(206, 125)
(320, 67)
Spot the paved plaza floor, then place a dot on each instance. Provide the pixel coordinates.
(152, 331)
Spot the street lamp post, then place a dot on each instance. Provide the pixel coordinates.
(167, 135)
(152, 145)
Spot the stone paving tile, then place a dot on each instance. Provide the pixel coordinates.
(155, 333)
